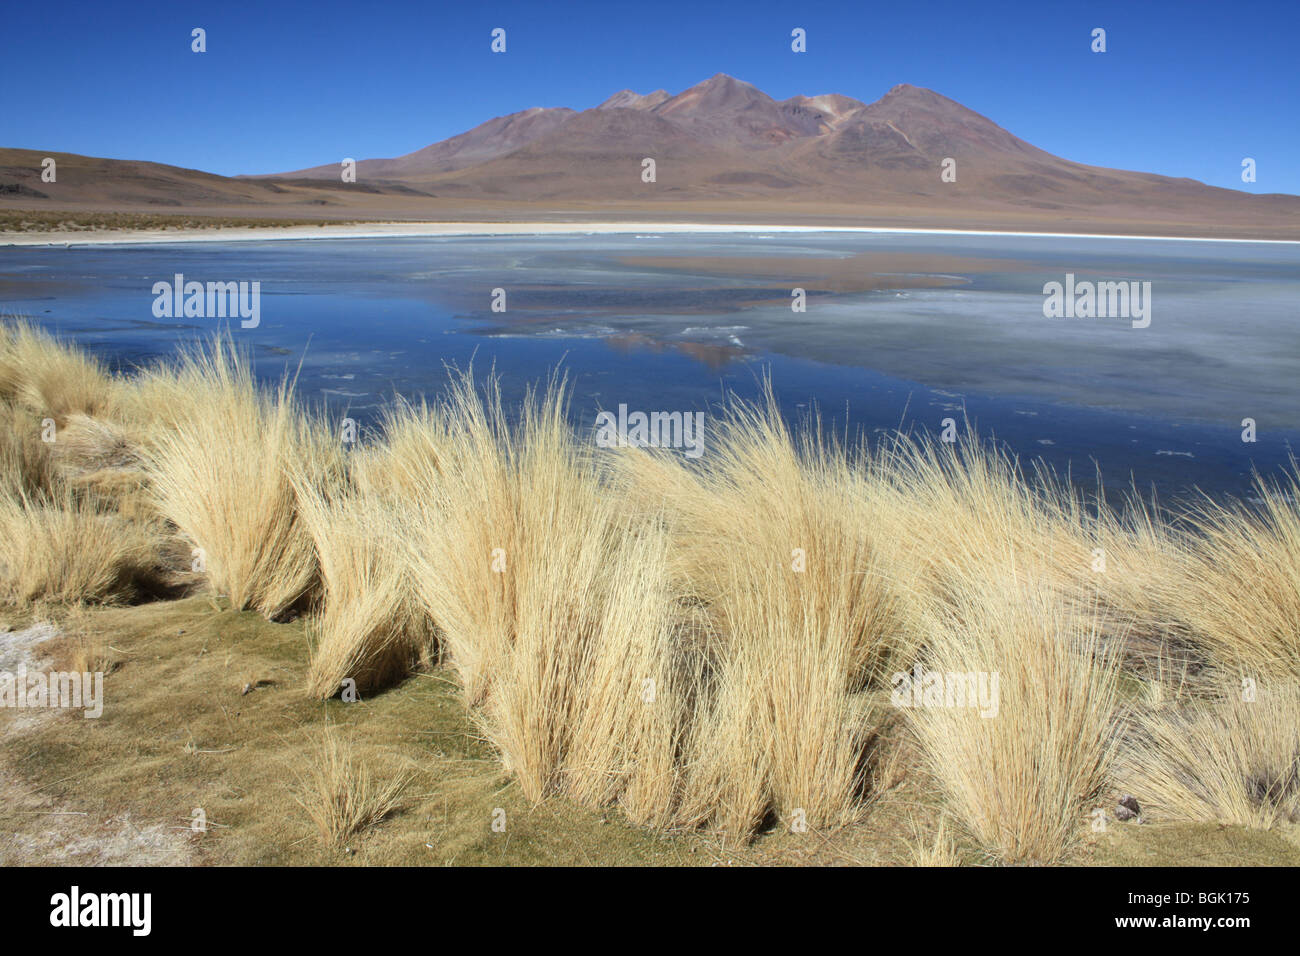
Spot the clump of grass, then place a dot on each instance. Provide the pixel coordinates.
(938, 850)
(636, 680)
(56, 427)
(1020, 780)
(102, 460)
(1228, 760)
(1139, 552)
(49, 377)
(368, 626)
(553, 610)
(25, 461)
(83, 648)
(86, 445)
(777, 543)
(218, 473)
(957, 513)
(61, 547)
(341, 794)
(90, 655)
(1237, 591)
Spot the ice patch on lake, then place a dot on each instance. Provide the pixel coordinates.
(558, 332)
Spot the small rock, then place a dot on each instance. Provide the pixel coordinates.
(1128, 808)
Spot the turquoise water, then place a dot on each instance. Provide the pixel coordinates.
(368, 319)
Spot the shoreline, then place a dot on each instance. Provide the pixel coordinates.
(428, 230)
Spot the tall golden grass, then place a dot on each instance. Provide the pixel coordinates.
(369, 627)
(702, 644)
(1227, 759)
(779, 547)
(218, 470)
(41, 374)
(62, 547)
(26, 464)
(1237, 589)
(59, 541)
(1021, 779)
(554, 606)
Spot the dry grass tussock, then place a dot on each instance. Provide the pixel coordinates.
(957, 513)
(1236, 591)
(47, 377)
(64, 547)
(1019, 775)
(554, 606)
(70, 517)
(368, 625)
(702, 644)
(1226, 760)
(777, 547)
(218, 472)
(342, 795)
(26, 464)
(936, 850)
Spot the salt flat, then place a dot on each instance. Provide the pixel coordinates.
(380, 230)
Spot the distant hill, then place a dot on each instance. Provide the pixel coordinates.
(722, 148)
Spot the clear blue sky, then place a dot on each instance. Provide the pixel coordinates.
(1187, 88)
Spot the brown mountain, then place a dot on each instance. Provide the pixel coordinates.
(726, 141)
(496, 137)
(723, 110)
(626, 99)
(724, 150)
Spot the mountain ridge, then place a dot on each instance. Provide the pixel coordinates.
(721, 111)
(724, 138)
(912, 155)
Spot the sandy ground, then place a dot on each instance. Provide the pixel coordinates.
(38, 829)
(381, 230)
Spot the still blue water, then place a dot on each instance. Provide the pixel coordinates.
(368, 319)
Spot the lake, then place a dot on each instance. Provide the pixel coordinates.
(899, 330)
